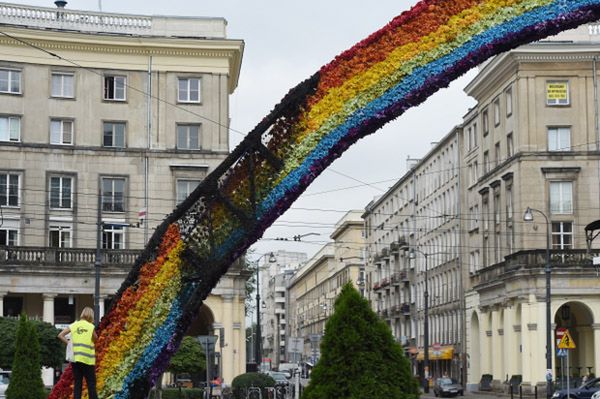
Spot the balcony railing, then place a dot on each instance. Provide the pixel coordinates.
(81, 20)
(30, 256)
(526, 261)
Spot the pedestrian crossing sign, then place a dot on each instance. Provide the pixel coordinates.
(566, 341)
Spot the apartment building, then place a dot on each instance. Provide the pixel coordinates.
(532, 141)
(412, 235)
(107, 120)
(314, 287)
(275, 277)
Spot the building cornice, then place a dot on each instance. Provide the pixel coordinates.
(96, 47)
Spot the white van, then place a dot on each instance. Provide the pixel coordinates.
(288, 369)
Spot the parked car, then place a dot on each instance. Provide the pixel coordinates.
(447, 387)
(280, 378)
(4, 378)
(585, 391)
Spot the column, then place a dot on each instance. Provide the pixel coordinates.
(227, 350)
(2, 295)
(48, 309)
(534, 341)
(101, 309)
(497, 351)
(48, 317)
(596, 329)
(485, 343)
(511, 346)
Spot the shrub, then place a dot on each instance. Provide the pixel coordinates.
(359, 356)
(242, 382)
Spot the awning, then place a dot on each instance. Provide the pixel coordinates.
(445, 353)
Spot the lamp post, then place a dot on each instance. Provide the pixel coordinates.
(528, 217)
(412, 255)
(258, 343)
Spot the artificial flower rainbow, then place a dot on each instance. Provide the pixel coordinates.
(375, 81)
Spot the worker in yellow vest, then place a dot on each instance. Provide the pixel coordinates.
(84, 354)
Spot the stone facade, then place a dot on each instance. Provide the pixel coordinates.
(314, 287)
(531, 141)
(112, 119)
(412, 234)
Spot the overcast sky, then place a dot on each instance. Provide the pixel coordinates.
(285, 42)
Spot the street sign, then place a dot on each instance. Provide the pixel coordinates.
(295, 345)
(566, 341)
(561, 352)
(437, 347)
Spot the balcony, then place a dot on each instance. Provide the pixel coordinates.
(65, 257)
(532, 261)
(399, 277)
(405, 309)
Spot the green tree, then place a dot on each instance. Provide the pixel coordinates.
(359, 356)
(26, 378)
(189, 358)
(52, 351)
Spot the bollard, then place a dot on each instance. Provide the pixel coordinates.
(520, 391)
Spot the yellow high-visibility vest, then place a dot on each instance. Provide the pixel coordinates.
(83, 346)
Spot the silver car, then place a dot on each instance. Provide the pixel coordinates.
(447, 387)
(4, 378)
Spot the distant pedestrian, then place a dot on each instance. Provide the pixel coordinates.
(83, 337)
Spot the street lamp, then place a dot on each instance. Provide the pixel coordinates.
(413, 255)
(258, 343)
(528, 217)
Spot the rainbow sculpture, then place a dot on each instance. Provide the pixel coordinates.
(375, 81)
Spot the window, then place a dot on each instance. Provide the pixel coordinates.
(61, 131)
(557, 92)
(509, 203)
(10, 128)
(114, 88)
(188, 137)
(114, 134)
(59, 236)
(497, 112)
(62, 85)
(112, 236)
(486, 162)
(10, 81)
(510, 150)
(509, 102)
(9, 189)
(561, 197)
(497, 154)
(9, 237)
(559, 139)
(185, 188)
(562, 235)
(113, 194)
(486, 122)
(61, 192)
(189, 90)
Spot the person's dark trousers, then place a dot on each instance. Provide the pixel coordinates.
(81, 371)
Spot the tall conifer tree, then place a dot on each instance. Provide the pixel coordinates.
(359, 356)
(26, 377)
